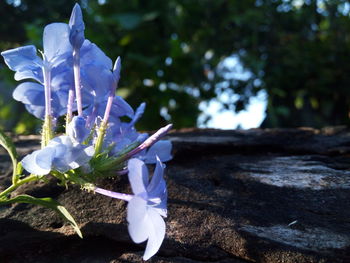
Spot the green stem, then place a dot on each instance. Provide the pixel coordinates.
(14, 172)
(72, 177)
(13, 187)
(113, 162)
(68, 120)
(43, 135)
(47, 133)
(101, 135)
(17, 171)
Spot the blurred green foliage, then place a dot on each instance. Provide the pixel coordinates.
(173, 55)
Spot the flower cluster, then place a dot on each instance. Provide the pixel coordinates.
(72, 77)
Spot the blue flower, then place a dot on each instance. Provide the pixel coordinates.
(77, 129)
(61, 154)
(119, 109)
(146, 208)
(96, 72)
(27, 64)
(124, 133)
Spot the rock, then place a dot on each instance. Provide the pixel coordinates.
(280, 195)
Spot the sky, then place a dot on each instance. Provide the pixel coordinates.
(226, 119)
(251, 117)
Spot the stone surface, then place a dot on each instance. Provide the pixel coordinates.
(280, 195)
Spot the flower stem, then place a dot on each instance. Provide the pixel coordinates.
(76, 69)
(47, 85)
(116, 195)
(47, 133)
(109, 106)
(104, 124)
(69, 115)
(100, 137)
(47, 126)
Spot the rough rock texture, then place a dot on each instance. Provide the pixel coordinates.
(234, 196)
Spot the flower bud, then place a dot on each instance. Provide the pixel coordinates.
(77, 27)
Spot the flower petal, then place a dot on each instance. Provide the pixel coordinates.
(137, 219)
(56, 41)
(156, 230)
(36, 110)
(121, 108)
(116, 70)
(22, 58)
(59, 103)
(39, 162)
(69, 155)
(81, 155)
(77, 129)
(61, 144)
(157, 191)
(92, 54)
(35, 73)
(97, 80)
(157, 177)
(162, 149)
(138, 114)
(29, 93)
(138, 176)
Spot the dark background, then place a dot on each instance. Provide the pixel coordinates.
(173, 52)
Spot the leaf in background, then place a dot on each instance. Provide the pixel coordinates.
(49, 203)
(10, 148)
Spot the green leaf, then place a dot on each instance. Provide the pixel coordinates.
(49, 203)
(10, 148)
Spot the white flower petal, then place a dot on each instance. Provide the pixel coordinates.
(156, 229)
(39, 162)
(22, 58)
(137, 219)
(157, 177)
(138, 176)
(56, 40)
(30, 93)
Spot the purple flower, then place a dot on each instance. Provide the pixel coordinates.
(146, 208)
(61, 154)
